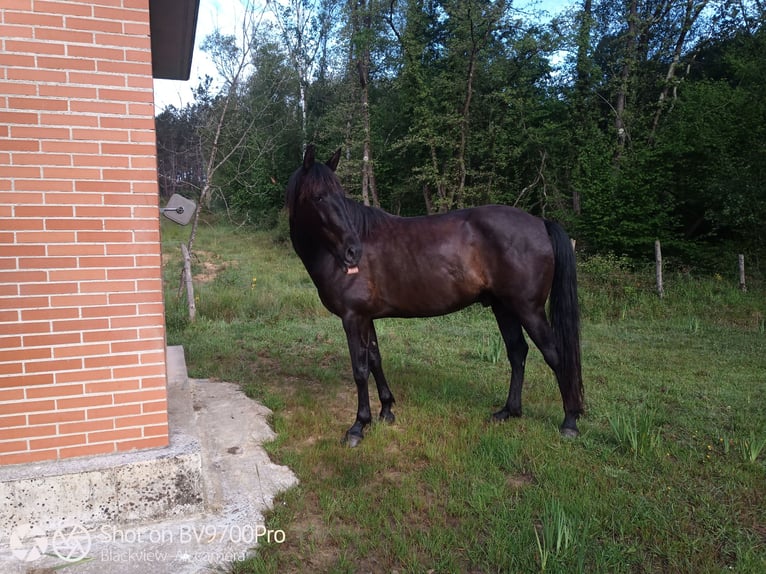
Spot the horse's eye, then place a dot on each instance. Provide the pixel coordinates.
(318, 198)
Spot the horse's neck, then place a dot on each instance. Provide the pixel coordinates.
(311, 251)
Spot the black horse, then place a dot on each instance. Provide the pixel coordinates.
(367, 264)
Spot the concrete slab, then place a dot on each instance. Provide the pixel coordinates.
(186, 509)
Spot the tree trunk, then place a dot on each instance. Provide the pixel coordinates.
(628, 66)
(690, 17)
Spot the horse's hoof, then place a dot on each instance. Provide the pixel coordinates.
(351, 440)
(387, 417)
(504, 415)
(567, 432)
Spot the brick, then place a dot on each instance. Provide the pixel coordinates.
(110, 335)
(76, 197)
(94, 24)
(154, 406)
(114, 236)
(27, 457)
(45, 237)
(98, 53)
(84, 376)
(116, 435)
(123, 41)
(57, 441)
(56, 417)
(96, 274)
(47, 262)
(72, 224)
(40, 132)
(110, 361)
(151, 442)
(43, 185)
(85, 351)
(131, 97)
(26, 380)
(53, 366)
(97, 79)
(107, 286)
(15, 446)
(24, 302)
(26, 407)
(111, 412)
(84, 325)
(22, 355)
(143, 396)
(36, 75)
(86, 426)
(142, 420)
(27, 328)
(76, 249)
(111, 161)
(86, 402)
(23, 224)
(33, 47)
(156, 430)
(47, 288)
(19, 145)
(77, 148)
(72, 119)
(79, 300)
(120, 387)
(48, 314)
(99, 107)
(51, 340)
(64, 35)
(54, 391)
(88, 450)
(66, 8)
(109, 310)
(133, 346)
(13, 421)
(71, 173)
(26, 432)
(9, 342)
(32, 103)
(8, 395)
(137, 321)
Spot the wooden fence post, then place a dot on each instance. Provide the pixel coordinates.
(741, 265)
(658, 268)
(189, 285)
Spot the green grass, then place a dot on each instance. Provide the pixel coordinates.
(669, 474)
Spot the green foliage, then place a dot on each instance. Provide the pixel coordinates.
(471, 103)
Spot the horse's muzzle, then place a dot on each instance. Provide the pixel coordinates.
(351, 255)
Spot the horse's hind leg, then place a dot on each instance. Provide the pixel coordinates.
(376, 367)
(516, 348)
(541, 333)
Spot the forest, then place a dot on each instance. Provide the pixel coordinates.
(627, 121)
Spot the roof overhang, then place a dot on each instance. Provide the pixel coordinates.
(173, 25)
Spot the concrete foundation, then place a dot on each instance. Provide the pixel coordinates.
(185, 508)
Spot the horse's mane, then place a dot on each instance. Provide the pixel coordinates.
(364, 218)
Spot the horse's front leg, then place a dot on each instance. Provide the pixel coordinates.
(376, 366)
(358, 335)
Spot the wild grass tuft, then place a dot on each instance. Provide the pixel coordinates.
(635, 434)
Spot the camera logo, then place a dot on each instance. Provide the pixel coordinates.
(70, 542)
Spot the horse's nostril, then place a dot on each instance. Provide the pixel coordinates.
(351, 253)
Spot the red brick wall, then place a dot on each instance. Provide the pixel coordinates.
(82, 340)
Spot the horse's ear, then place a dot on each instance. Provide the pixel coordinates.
(332, 163)
(308, 157)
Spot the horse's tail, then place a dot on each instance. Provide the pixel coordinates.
(565, 317)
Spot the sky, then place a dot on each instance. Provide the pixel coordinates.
(226, 15)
